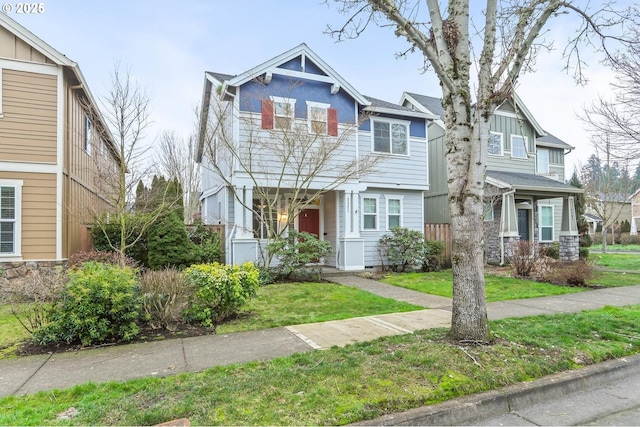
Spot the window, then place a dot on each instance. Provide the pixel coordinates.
(519, 146)
(494, 147)
(10, 193)
(546, 223)
(391, 137)
(394, 212)
(543, 160)
(317, 117)
(264, 219)
(488, 211)
(103, 148)
(369, 213)
(283, 112)
(87, 135)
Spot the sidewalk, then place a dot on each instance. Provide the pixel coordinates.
(169, 357)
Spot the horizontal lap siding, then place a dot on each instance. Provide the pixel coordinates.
(397, 170)
(28, 129)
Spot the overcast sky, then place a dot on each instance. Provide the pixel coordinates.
(168, 45)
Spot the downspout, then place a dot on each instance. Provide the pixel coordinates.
(506, 193)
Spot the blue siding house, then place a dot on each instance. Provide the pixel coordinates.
(262, 133)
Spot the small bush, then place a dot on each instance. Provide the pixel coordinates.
(33, 300)
(405, 249)
(169, 244)
(106, 257)
(585, 241)
(298, 252)
(164, 295)
(100, 303)
(218, 291)
(583, 253)
(433, 251)
(208, 242)
(552, 250)
(106, 236)
(522, 257)
(573, 274)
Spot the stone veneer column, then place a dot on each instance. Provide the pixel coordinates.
(569, 248)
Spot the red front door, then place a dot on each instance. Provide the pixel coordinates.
(309, 221)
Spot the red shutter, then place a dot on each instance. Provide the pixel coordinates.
(267, 114)
(332, 121)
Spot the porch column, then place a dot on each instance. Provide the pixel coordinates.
(351, 214)
(508, 224)
(243, 216)
(569, 238)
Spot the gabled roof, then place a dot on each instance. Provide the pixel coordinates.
(384, 107)
(552, 141)
(58, 58)
(302, 49)
(528, 182)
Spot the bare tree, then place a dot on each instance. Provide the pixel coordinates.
(176, 161)
(509, 37)
(126, 112)
(289, 167)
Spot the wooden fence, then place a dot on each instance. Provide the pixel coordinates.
(441, 233)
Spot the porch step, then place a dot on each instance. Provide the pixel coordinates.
(328, 273)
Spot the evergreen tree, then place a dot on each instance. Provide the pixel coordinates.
(169, 244)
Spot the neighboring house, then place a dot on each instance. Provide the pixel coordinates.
(298, 92)
(611, 208)
(635, 212)
(50, 140)
(593, 221)
(526, 197)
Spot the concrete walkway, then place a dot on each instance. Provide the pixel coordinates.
(163, 358)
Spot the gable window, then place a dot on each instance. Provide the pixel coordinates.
(394, 212)
(321, 119)
(10, 202)
(494, 146)
(543, 160)
(519, 146)
(369, 213)
(546, 223)
(391, 137)
(87, 134)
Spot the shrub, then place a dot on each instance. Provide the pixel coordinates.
(404, 248)
(207, 241)
(583, 253)
(573, 274)
(100, 303)
(522, 257)
(33, 300)
(625, 226)
(585, 241)
(164, 294)
(106, 257)
(218, 291)
(551, 251)
(433, 251)
(106, 237)
(296, 252)
(169, 244)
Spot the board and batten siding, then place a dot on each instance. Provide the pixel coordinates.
(511, 126)
(28, 130)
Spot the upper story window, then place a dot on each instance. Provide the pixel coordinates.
(278, 113)
(543, 160)
(391, 137)
(321, 119)
(488, 211)
(10, 203)
(88, 130)
(519, 146)
(494, 146)
(369, 213)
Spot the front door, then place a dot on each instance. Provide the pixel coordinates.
(523, 223)
(309, 221)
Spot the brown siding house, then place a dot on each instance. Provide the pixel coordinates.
(51, 139)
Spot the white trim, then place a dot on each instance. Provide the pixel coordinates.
(28, 167)
(389, 197)
(319, 105)
(391, 122)
(501, 135)
(543, 150)
(29, 67)
(16, 255)
(375, 197)
(60, 162)
(540, 225)
(525, 141)
(292, 106)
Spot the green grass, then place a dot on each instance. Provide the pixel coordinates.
(497, 288)
(613, 279)
(11, 331)
(617, 261)
(344, 385)
(296, 303)
(617, 247)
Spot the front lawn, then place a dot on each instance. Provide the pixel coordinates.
(345, 385)
(497, 288)
(614, 278)
(11, 331)
(617, 261)
(617, 247)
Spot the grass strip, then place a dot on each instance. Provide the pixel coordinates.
(344, 385)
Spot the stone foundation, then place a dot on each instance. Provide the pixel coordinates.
(569, 248)
(16, 273)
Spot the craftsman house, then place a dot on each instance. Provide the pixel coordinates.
(51, 138)
(371, 175)
(526, 197)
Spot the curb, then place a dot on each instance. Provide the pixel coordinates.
(474, 408)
